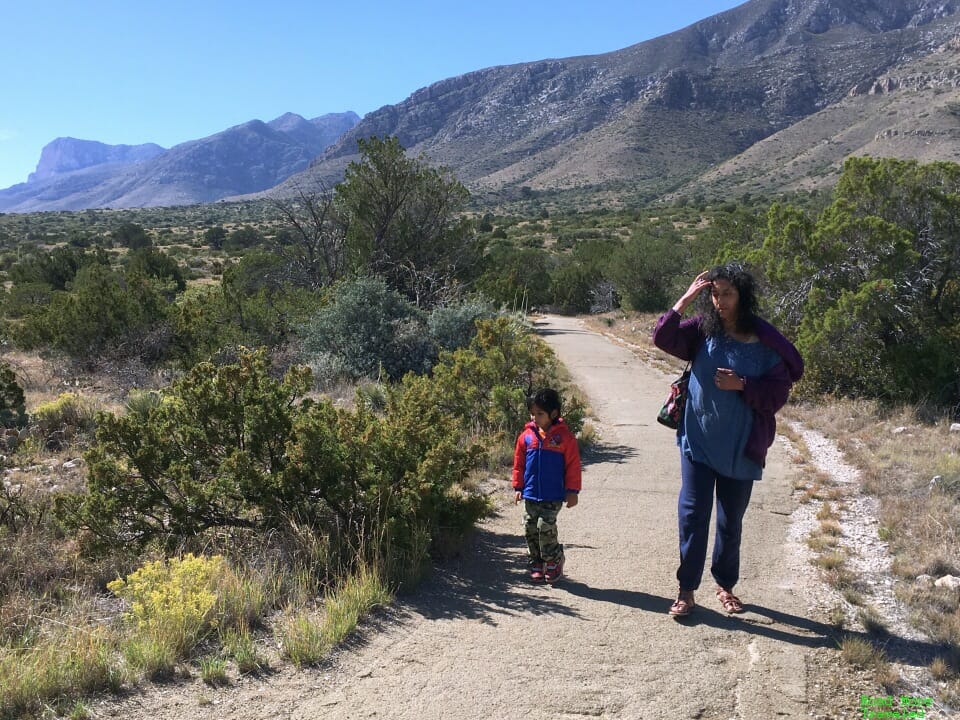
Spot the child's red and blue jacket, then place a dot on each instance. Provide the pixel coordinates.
(546, 464)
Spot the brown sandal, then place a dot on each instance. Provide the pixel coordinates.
(683, 605)
(731, 603)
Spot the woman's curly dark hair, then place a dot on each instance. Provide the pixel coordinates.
(743, 281)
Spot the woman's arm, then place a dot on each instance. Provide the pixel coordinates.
(681, 338)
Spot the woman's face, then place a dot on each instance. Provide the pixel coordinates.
(726, 299)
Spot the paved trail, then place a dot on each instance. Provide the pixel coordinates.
(478, 641)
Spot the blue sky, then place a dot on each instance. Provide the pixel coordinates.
(142, 71)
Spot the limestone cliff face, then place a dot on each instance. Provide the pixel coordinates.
(945, 78)
(67, 154)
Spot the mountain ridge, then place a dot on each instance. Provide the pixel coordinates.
(249, 157)
(656, 114)
(913, 113)
(689, 111)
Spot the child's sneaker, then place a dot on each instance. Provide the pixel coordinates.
(553, 571)
(536, 571)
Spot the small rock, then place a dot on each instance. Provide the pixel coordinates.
(900, 430)
(955, 427)
(70, 464)
(924, 580)
(952, 582)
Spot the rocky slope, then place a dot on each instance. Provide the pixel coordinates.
(655, 115)
(913, 111)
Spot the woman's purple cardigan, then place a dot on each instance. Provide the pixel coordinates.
(765, 394)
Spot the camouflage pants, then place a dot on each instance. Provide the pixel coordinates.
(540, 526)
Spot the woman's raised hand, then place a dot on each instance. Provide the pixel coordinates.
(698, 284)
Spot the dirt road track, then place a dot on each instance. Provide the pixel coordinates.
(478, 641)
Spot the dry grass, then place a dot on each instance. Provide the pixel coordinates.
(831, 528)
(589, 436)
(830, 561)
(837, 617)
(814, 486)
(861, 653)
(213, 671)
(942, 670)
(822, 543)
(305, 638)
(864, 655)
(827, 512)
(240, 645)
(853, 596)
(63, 664)
(911, 464)
(872, 621)
(899, 457)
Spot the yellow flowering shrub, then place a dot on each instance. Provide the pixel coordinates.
(173, 601)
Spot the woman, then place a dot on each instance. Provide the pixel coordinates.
(742, 369)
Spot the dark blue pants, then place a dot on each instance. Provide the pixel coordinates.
(698, 482)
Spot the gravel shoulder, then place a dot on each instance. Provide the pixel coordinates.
(478, 641)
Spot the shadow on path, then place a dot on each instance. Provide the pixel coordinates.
(618, 596)
(488, 580)
(546, 331)
(802, 631)
(605, 453)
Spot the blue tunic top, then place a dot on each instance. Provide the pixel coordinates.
(717, 422)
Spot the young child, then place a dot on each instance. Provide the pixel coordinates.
(546, 472)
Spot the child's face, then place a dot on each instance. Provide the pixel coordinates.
(542, 418)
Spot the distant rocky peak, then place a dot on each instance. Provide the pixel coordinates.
(66, 154)
(288, 121)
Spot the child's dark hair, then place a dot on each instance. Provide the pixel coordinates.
(546, 399)
(735, 274)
